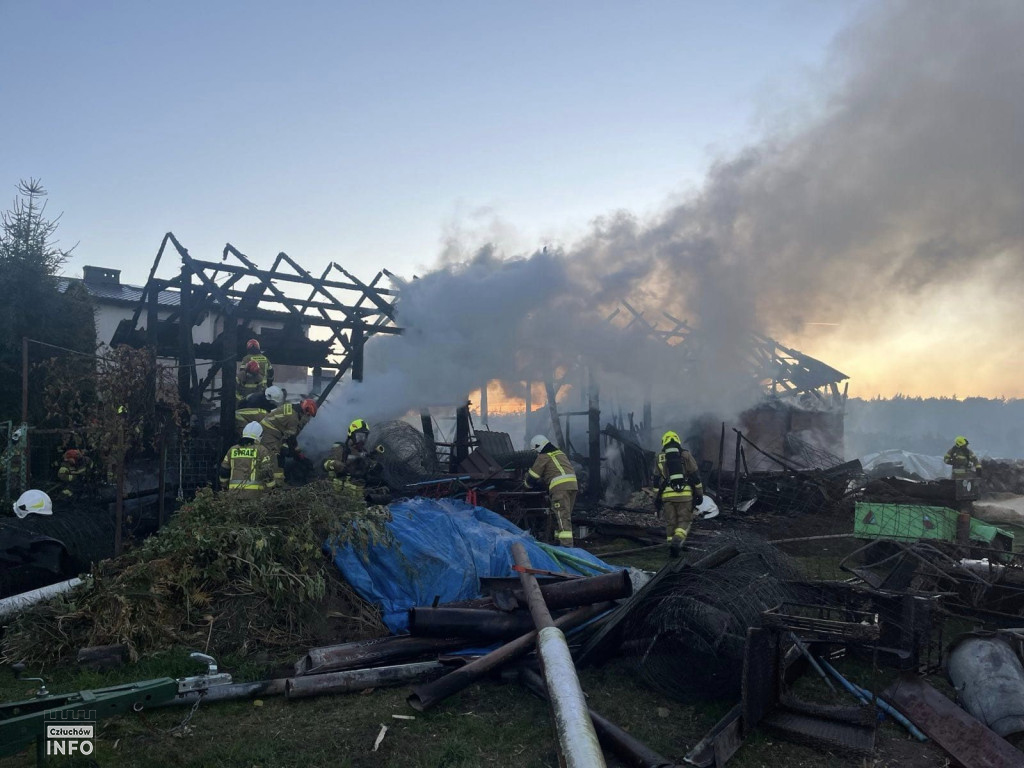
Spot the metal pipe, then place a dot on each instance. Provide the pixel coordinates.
(577, 739)
(630, 750)
(571, 593)
(18, 603)
(426, 696)
(360, 679)
(477, 623)
(375, 652)
(866, 697)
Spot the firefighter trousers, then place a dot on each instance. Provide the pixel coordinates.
(678, 517)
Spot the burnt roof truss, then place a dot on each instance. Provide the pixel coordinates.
(285, 299)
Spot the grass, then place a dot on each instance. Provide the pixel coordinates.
(488, 724)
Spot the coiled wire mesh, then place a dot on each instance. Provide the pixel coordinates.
(402, 453)
(687, 637)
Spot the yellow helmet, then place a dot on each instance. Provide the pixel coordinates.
(961, 441)
(358, 425)
(670, 437)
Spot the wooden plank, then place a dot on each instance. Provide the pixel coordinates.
(964, 738)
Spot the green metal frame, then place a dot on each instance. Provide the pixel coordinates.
(24, 722)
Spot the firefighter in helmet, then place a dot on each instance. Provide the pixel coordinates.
(255, 373)
(679, 490)
(283, 423)
(554, 472)
(256, 406)
(349, 458)
(74, 466)
(248, 469)
(963, 460)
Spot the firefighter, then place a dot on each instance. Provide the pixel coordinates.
(962, 459)
(554, 472)
(349, 458)
(248, 468)
(679, 490)
(256, 406)
(253, 378)
(284, 422)
(73, 468)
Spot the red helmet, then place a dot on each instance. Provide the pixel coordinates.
(252, 345)
(252, 367)
(72, 455)
(308, 406)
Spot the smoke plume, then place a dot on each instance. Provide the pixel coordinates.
(895, 212)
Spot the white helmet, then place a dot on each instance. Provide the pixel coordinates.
(33, 503)
(274, 393)
(17, 434)
(538, 442)
(253, 430)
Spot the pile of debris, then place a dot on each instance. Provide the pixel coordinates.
(228, 573)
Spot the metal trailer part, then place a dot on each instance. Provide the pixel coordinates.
(577, 739)
(965, 739)
(229, 692)
(360, 679)
(476, 623)
(630, 750)
(989, 681)
(825, 734)
(424, 697)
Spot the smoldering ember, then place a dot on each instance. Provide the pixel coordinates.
(736, 480)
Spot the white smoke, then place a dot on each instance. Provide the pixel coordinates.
(905, 188)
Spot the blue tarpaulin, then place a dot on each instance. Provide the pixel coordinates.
(442, 548)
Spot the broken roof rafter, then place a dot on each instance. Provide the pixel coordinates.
(773, 364)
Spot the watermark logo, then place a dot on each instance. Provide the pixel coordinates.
(70, 733)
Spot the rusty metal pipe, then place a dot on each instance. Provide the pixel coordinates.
(572, 592)
(630, 750)
(426, 696)
(577, 739)
(477, 623)
(360, 679)
(375, 652)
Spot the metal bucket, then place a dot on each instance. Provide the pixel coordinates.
(989, 680)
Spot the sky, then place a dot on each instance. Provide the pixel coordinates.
(841, 155)
(372, 133)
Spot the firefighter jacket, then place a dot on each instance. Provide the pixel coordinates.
(554, 471)
(334, 464)
(962, 459)
(245, 416)
(72, 474)
(266, 369)
(286, 421)
(247, 467)
(674, 488)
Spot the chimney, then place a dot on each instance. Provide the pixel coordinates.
(101, 276)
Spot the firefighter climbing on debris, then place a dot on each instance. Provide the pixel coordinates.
(962, 459)
(555, 473)
(255, 373)
(248, 468)
(282, 423)
(679, 490)
(74, 467)
(256, 406)
(350, 458)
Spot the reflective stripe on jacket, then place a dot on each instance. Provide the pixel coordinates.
(691, 472)
(961, 458)
(554, 471)
(286, 419)
(248, 467)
